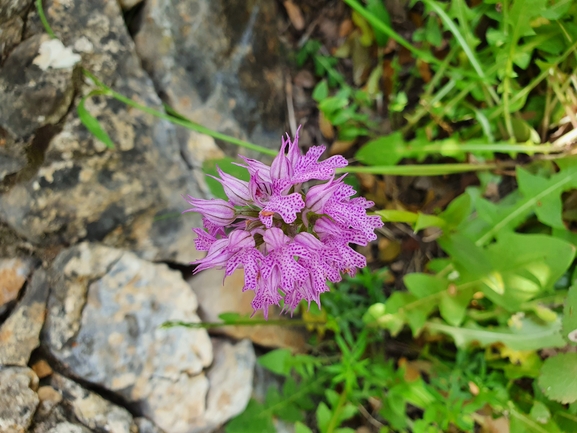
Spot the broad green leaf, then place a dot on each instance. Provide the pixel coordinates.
(418, 220)
(522, 423)
(520, 16)
(92, 124)
(377, 8)
(570, 315)
(301, 428)
(506, 217)
(253, 419)
(558, 378)
(557, 9)
(277, 361)
(457, 211)
(540, 412)
(453, 305)
(525, 265)
(321, 91)
(323, 417)
(387, 150)
(548, 209)
(526, 335)
(566, 421)
(423, 285)
(227, 165)
(280, 405)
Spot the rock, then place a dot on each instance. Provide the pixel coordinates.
(11, 8)
(10, 35)
(18, 399)
(91, 409)
(13, 274)
(76, 189)
(103, 325)
(146, 426)
(216, 298)
(49, 399)
(32, 99)
(129, 4)
(218, 63)
(230, 380)
(19, 334)
(42, 369)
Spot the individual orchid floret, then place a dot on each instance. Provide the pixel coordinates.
(215, 210)
(288, 237)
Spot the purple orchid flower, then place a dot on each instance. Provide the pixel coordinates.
(289, 239)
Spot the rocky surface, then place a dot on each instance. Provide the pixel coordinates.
(12, 8)
(104, 314)
(216, 298)
(65, 185)
(19, 334)
(18, 398)
(230, 383)
(13, 275)
(90, 409)
(218, 63)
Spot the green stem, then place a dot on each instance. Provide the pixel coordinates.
(43, 20)
(419, 170)
(240, 322)
(178, 120)
(334, 421)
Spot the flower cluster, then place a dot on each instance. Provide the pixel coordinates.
(288, 239)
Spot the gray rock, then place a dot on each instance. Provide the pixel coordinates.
(146, 426)
(104, 314)
(13, 274)
(77, 189)
(11, 8)
(10, 35)
(91, 409)
(129, 4)
(19, 334)
(218, 63)
(18, 399)
(230, 380)
(31, 99)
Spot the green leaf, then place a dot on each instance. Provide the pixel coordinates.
(251, 420)
(91, 123)
(423, 285)
(323, 417)
(557, 10)
(453, 306)
(526, 334)
(277, 361)
(540, 412)
(227, 165)
(570, 315)
(520, 15)
(321, 91)
(377, 9)
(521, 423)
(387, 150)
(457, 211)
(558, 378)
(301, 428)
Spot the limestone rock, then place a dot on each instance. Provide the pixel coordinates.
(129, 4)
(91, 409)
(230, 379)
(10, 35)
(218, 63)
(11, 8)
(77, 189)
(19, 334)
(146, 426)
(31, 99)
(215, 298)
(103, 325)
(13, 274)
(18, 399)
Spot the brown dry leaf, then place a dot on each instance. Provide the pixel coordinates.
(304, 79)
(424, 71)
(497, 425)
(340, 146)
(345, 28)
(295, 15)
(388, 74)
(389, 250)
(367, 180)
(411, 372)
(42, 369)
(405, 56)
(325, 126)
(473, 388)
(363, 429)
(361, 58)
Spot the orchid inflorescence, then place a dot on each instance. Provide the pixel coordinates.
(289, 239)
